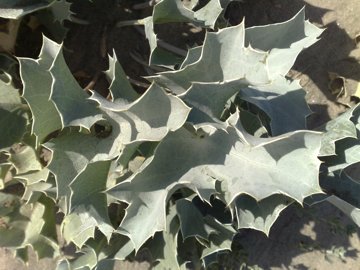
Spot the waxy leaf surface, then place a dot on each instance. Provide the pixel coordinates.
(37, 82)
(88, 205)
(339, 128)
(259, 215)
(284, 41)
(223, 58)
(120, 87)
(14, 9)
(13, 119)
(260, 168)
(70, 99)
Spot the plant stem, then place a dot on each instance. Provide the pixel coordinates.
(78, 20)
(164, 44)
(130, 23)
(138, 83)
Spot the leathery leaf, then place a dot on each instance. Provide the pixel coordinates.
(259, 215)
(137, 121)
(166, 11)
(29, 224)
(164, 245)
(215, 236)
(120, 87)
(70, 99)
(337, 129)
(88, 205)
(242, 164)
(13, 119)
(199, 153)
(37, 82)
(223, 58)
(15, 9)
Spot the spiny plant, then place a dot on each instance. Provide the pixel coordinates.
(218, 142)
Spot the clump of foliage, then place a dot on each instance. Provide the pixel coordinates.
(218, 142)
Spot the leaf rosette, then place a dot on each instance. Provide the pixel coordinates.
(217, 145)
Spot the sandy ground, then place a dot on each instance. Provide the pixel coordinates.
(317, 238)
